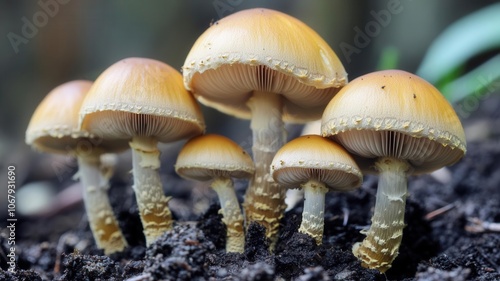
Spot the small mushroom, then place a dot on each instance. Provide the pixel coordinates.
(316, 165)
(269, 67)
(396, 124)
(54, 128)
(144, 102)
(217, 158)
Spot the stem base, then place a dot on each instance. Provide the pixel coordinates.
(380, 247)
(152, 203)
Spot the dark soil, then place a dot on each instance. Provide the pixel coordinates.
(442, 245)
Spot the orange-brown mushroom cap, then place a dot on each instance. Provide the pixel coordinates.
(263, 50)
(209, 156)
(141, 97)
(54, 124)
(396, 114)
(312, 157)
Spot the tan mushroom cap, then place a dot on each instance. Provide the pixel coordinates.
(397, 114)
(265, 50)
(54, 124)
(312, 157)
(205, 157)
(141, 97)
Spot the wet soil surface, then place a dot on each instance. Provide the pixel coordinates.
(447, 236)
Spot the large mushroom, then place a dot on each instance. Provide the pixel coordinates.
(54, 128)
(218, 159)
(397, 124)
(269, 67)
(143, 101)
(317, 165)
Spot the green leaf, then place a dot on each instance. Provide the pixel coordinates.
(480, 82)
(473, 34)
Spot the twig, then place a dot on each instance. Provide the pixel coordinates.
(142, 277)
(60, 249)
(495, 266)
(478, 226)
(439, 211)
(346, 216)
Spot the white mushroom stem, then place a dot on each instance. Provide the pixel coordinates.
(231, 214)
(102, 220)
(380, 247)
(264, 200)
(313, 215)
(152, 203)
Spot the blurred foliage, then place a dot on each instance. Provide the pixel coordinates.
(389, 59)
(473, 36)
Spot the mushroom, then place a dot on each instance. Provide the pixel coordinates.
(269, 67)
(397, 125)
(217, 158)
(316, 165)
(143, 101)
(54, 128)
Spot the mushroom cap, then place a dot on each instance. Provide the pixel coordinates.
(264, 50)
(209, 156)
(54, 124)
(394, 113)
(141, 97)
(312, 157)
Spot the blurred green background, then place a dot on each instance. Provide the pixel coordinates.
(78, 39)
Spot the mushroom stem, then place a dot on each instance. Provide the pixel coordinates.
(231, 214)
(313, 215)
(102, 220)
(380, 247)
(264, 200)
(152, 203)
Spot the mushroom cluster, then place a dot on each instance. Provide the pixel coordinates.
(271, 68)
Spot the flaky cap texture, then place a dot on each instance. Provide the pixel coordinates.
(312, 157)
(209, 156)
(141, 97)
(396, 114)
(265, 50)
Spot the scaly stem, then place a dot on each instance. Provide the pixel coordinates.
(231, 214)
(264, 200)
(152, 203)
(102, 220)
(313, 215)
(380, 247)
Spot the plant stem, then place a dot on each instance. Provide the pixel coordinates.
(380, 247)
(231, 214)
(264, 200)
(102, 220)
(313, 215)
(152, 203)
